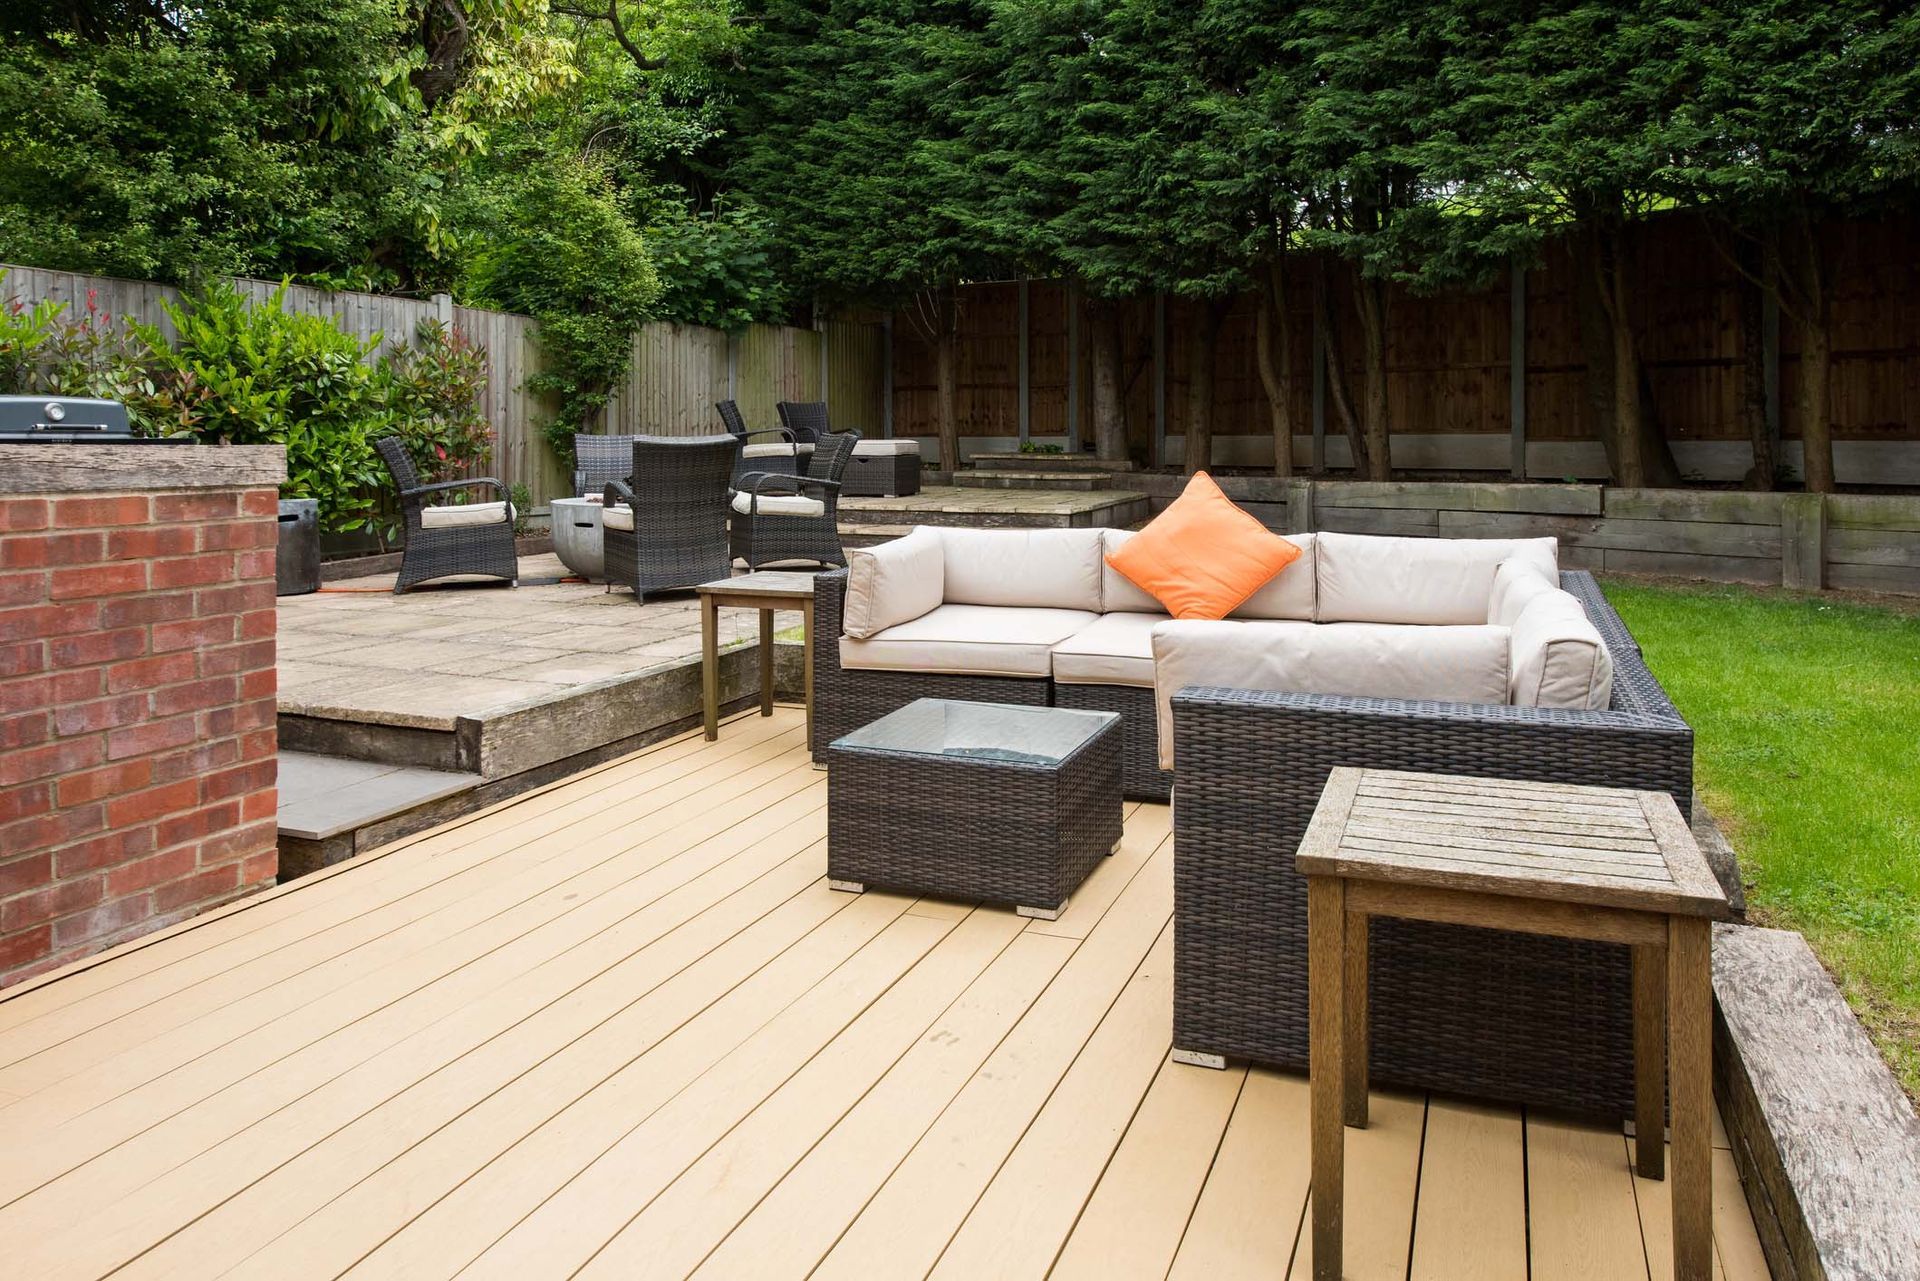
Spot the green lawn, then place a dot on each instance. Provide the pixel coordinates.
(1806, 717)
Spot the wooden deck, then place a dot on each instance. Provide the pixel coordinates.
(621, 1028)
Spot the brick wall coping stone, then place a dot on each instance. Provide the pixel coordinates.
(81, 469)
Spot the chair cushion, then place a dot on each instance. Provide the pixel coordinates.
(884, 448)
(1517, 583)
(1027, 568)
(778, 505)
(1464, 664)
(619, 516)
(1362, 578)
(1203, 556)
(892, 583)
(1116, 650)
(771, 449)
(1558, 657)
(968, 640)
(455, 517)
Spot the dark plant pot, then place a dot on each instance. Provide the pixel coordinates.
(296, 567)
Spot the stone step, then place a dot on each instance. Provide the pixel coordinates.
(1013, 479)
(1082, 462)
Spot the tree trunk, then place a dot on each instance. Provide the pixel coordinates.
(1273, 352)
(946, 361)
(1806, 278)
(1208, 315)
(1371, 298)
(1637, 449)
(1109, 404)
(1337, 373)
(1753, 367)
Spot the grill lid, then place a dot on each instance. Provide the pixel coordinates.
(70, 420)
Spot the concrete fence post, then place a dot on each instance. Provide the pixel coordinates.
(1803, 542)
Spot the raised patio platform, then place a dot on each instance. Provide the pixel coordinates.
(874, 519)
(620, 1027)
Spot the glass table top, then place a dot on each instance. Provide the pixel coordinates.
(982, 731)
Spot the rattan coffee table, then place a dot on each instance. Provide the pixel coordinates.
(983, 802)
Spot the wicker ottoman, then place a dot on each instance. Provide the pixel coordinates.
(987, 802)
(883, 469)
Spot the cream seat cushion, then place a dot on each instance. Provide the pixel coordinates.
(773, 449)
(1559, 659)
(1449, 664)
(1446, 581)
(456, 517)
(893, 582)
(619, 516)
(1116, 650)
(884, 448)
(1288, 594)
(968, 640)
(778, 505)
(1031, 568)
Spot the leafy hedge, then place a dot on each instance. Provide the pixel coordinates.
(240, 374)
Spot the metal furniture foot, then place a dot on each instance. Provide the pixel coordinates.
(848, 887)
(1200, 1058)
(1042, 913)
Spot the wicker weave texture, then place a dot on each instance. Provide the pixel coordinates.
(761, 538)
(599, 461)
(485, 550)
(679, 502)
(1139, 733)
(883, 476)
(1470, 1011)
(976, 830)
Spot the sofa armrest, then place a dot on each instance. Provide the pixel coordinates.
(893, 582)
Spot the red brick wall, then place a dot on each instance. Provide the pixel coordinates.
(136, 714)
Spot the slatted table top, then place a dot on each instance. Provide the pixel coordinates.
(769, 583)
(1604, 846)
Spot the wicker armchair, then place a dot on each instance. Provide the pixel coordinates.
(787, 518)
(600, 459)
(668, 527)
(806, 419)
(776, 450)
(1516, 1017)
(446, 540)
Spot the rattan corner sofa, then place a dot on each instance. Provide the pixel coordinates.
(1252, 713)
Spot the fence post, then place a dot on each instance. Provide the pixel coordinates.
(1299, 506)
(1072, 291)
(1317, 462)
(1517, 371)
(1803, 542)
(1159, 379)
(1026, 380)
(886, 377)
(443, 308)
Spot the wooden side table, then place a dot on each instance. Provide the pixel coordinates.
(1540, 858)
(766, 591)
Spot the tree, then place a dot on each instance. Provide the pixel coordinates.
(1801, 116)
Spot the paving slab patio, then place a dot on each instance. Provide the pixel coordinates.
(355, 651)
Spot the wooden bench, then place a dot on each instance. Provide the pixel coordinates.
(1609, 864)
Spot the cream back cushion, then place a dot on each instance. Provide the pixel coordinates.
(1518, 581)
(1025, 568)
(1450, 664)
(1558, 657)
(1362, 578)
(893, 582)
(1118, 595)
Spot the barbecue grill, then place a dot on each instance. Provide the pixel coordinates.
(70, 420)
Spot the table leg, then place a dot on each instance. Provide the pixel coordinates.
(1650, 1060)
(1690, 1083)
(1356, 1019)
(1326, 1020)
(806, 644)
(766, 662)
(710, 666)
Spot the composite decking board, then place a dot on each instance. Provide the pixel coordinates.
(278, 914)
(1383, 1172)
(397, 893)
(576, 908)
(703, 1078)
(631, 1017)
(1138, 1212)
(798, 1220)
(1249, 1210)
(907, 1225)
(1471, 1224)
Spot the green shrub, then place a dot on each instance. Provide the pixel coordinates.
(434, 389)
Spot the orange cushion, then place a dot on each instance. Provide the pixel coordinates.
(1202, 556)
